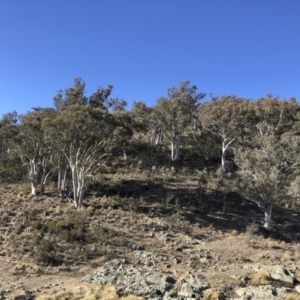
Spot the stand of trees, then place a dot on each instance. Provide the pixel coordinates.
(70, 143)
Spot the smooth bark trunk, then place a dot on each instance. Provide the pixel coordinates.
(33, 188)
(223, 159)
(124, 152)
(175, 147)
(267, 210)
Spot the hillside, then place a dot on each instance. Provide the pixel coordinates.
(168, 225)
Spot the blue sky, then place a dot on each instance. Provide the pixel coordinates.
(246, 48)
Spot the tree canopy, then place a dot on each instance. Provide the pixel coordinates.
(256, 139)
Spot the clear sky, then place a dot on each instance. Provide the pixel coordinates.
(246, 48)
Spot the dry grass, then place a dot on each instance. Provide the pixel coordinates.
(292, 296)
(59, 296)
(288, 256)
(283, 244)
(234, 232)
(273, 245)
(297, 256)
(297, 275)
(213, 295)
(252, 229)
(24, 188)
(107, 292)
(262, 277)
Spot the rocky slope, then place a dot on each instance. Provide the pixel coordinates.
(158, 246)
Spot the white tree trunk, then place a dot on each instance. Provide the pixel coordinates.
(33, 188)
(158, 137)
(223, 159)
(80, 181)
(177, 147)
(64, 179)
(268, 216)
(267, 210)
(172, 150)
(82, 165)
(124, 153)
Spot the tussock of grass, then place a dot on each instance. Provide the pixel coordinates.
(292, 296)
(24, 188)
(252, 229)
(273, 245)
(131, 297)
(288, 256)
(262, 277)
(107, 292)
(283, 244)
(213, 295)
(234, 232)
(297, 275)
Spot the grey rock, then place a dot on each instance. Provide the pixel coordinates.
(277, 272)
(205, 260)
(262, 293)
(130, 279)
(164, 238)
(193, 286)
(150, 259)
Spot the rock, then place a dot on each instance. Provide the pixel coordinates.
(205, 261)
(277, 272)
(150, 285)
(131, 280)
(164, 238)
(262, 292)
(137, 247)
(177, 260)
(297, 288)
(195, 241)
(149, 259)
(193, 286)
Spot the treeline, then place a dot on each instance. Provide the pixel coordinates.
(258, 140)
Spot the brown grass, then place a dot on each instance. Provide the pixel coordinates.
(292, 296)
(213, 295)
(297, 275)
(262, 277)
(234, 232)
(107, 292)
(288, 256)
(273, 245)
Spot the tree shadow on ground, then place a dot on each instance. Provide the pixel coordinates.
(223, 211)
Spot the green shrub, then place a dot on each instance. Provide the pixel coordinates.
(37, 225)
(43, 253)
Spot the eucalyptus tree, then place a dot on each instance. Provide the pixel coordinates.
(122, 131)
(71, 96)
(11, 168)
(173, 114)
(269, 160)
(81, 134)
(141, 121)
(225, 118)
(8, 130)
(32, 148)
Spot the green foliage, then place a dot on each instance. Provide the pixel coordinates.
(37, 225)
(70, 229)
(44, 252)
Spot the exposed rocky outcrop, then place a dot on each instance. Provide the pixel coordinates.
(277, 272)
(262, 293)
(151, 285)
